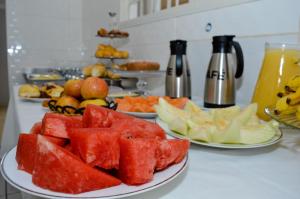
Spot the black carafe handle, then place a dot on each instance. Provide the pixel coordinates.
(179, 65)
(239, 58)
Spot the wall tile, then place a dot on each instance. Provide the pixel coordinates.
(45, 8)
(257, 18)
(153, 33)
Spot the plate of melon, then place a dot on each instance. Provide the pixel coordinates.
(91, 156)
(232, 128)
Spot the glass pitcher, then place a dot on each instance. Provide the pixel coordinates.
(281, 62)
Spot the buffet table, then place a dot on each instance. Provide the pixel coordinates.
(270, 172)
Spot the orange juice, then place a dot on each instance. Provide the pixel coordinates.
(279, 65)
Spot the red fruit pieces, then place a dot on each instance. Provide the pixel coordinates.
(138, 128)
(57, 125)
(36, 128)
(137, 160)
(26, 150)
(100, 117)
(170, 152)
(97, 146)
(58, 170)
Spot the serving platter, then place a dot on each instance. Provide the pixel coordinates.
(289, 120)
(141, 114)
(272, 141)
(22, 181)
(33, 99)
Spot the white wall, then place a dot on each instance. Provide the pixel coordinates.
(253, 23)
(53, 32)
(94, 16)
(46, 32)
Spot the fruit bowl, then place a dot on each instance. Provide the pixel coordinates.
(287, 119)
(70, 110)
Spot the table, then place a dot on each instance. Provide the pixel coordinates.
(271, 172)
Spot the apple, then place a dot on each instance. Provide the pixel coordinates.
(94, 88)
(73, 87)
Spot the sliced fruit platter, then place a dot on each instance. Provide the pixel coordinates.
(71, 155)
(231, 127)
(143, 106)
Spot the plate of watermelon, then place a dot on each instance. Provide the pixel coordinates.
(92, 156)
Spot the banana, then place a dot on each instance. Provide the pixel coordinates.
(289, 110)
(281, 105)
(298, 115)
(284, 92)
(293, 98)
(293, 83)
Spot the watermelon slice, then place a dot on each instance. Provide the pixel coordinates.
(57, 125)
(59, 170)
(26, 150)
(97, 146)
(100, 117)
(36, 128)
(170, 152)
(137, 160)
(138, 128)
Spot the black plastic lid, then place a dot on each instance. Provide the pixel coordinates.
(222, 43)
(178, 47)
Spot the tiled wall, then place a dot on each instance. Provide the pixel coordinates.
(42, 33)
(253, 23)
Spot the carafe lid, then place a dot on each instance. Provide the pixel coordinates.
(222, 43)
(178, 47)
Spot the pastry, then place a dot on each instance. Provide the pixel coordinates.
(102, 32)
(140, 65)
(87, 70)
(107, 51)
(98, 70)
(52, 90)
(28, 90)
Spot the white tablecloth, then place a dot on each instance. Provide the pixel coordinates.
(272, 172)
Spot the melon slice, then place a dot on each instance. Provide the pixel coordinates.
(97, 146)
(57, 125)
(26, 150)
(100, 117)
(36, 128)
(170, 152)
(59, 170)
(137, 160)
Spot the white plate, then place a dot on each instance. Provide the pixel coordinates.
(140, 114)
(22, 181)
(272, 141)
(33, 99)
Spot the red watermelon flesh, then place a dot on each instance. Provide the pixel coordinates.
(138, 128)
(57, 125)
(26, 150)
(170, 152)
(137, 160)
(58, 170)
(36, 128)
(97, 146)
(99, 117)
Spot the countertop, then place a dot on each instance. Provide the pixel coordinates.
(270, 172)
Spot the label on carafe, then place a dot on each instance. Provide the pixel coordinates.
(214, 74)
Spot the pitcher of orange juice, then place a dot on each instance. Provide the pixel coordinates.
(281, 62)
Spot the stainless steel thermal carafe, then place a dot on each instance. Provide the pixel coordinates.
(220, 78)
(178, 81)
